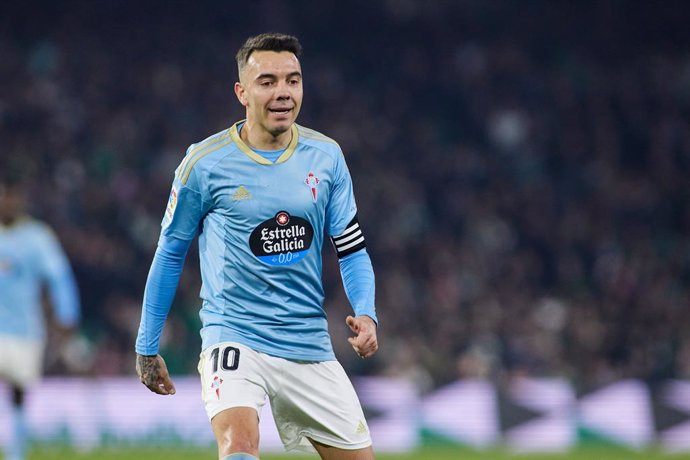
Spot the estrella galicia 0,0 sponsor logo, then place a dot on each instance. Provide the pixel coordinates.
(282, 240)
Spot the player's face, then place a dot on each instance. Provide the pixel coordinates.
(271, 89)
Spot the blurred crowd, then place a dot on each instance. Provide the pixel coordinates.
(521, 171)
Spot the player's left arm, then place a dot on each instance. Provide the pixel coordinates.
(358, 279)
(355, 264)
(365, 342)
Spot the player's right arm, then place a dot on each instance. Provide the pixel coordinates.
(154, 374)
(159, 293)
(186, 208)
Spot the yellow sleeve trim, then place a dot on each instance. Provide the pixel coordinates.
(319, 138)
(311, 134)
(198, 153)
(194, 148)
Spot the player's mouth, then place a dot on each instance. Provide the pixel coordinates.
(281, 110)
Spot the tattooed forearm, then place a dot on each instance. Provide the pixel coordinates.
(149, 369)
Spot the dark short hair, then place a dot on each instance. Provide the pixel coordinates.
(267, 42)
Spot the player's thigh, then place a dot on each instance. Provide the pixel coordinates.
(21, 360)
(236, 430)
(335, 453)
(234, 392)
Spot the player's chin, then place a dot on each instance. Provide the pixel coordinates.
(279, 127)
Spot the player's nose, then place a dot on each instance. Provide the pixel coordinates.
(283, 92)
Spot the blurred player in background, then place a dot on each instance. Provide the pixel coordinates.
(261, 194)
(31, 260)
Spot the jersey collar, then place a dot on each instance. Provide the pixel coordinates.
(235, 135)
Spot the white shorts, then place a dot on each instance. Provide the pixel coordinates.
(312, 400)
(21, 360)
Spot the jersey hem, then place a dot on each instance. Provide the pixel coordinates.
(309, 357)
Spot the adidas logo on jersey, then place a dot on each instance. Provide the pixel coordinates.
(361, 428)
(241, 194)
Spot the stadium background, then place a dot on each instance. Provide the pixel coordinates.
(521, 170)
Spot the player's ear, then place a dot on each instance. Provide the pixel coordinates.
(240, 93)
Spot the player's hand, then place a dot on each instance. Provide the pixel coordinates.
(153, 373)
(364, 342)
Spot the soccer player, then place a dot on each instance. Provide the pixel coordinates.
(261, 195)
(31, 259)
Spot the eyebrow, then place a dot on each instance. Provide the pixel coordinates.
(272, 75)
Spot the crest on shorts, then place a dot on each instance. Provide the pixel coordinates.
(215, 385)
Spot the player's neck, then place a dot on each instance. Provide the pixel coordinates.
(255, 137)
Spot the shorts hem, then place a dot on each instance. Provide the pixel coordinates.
(296, 446)
(233, 405)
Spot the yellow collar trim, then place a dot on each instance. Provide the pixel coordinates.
(234, 133)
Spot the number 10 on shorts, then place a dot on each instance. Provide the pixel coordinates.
(229, 359)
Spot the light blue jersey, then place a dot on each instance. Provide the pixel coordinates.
(31, 258)
(261, 226)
